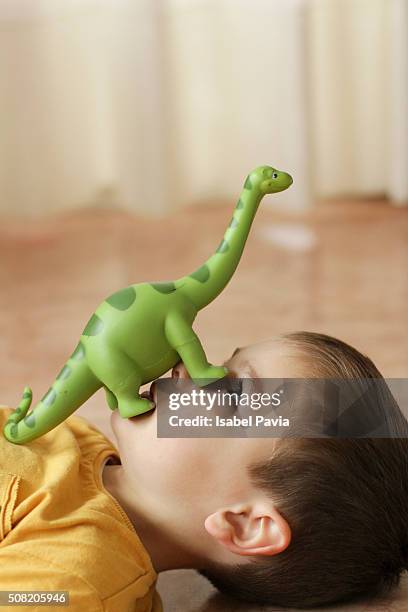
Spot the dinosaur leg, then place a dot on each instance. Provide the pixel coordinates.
(185, 341)
(122, 378)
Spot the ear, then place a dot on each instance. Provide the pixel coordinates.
(250, 529)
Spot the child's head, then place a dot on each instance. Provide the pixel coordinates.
(291, 522)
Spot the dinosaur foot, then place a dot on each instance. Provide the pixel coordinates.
(210, 374)
(131, 407)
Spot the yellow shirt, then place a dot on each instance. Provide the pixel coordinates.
(61, 530)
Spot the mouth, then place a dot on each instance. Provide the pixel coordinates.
(288, 180)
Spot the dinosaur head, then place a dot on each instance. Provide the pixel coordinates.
(270, 180)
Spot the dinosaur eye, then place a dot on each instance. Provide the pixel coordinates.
(275, 175)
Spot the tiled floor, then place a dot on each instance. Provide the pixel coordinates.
(341, 269)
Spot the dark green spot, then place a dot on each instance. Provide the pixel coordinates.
(164, 287)
(65, 372)
(14, 416)
(49, 397)
(224, 246)
(30, 420)
(123, 299)
(94, 326)
(248, 184)
(79, 352)
(234, 223)
(201, 274)
(14, 430)
(26, 395)
(240, 204)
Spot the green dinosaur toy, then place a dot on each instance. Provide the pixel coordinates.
(140, 332)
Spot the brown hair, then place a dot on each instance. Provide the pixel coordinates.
(346, 501)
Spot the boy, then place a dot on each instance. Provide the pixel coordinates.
(289, 522)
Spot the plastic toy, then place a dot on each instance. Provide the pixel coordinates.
(140, 332)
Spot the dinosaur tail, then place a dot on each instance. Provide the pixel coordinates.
(23, 407)
(72, 387)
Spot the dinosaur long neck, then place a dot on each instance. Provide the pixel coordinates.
(207, 282)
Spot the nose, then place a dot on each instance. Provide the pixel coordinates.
(152, 391)
(179, 371)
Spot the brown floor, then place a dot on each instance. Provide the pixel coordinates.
(340, 269)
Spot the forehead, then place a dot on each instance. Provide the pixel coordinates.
(269, 359)
(268, 348)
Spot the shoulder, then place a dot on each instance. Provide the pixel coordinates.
(25, 570)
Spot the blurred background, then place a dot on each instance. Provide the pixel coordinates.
(127, 128)
(152, 105)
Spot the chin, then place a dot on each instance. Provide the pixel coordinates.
(113, 417)
(114, 421)
(140, 428)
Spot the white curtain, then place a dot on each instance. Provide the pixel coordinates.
(81, 105)
(359, 96)
(152, 104)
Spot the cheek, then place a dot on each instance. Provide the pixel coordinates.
(165, 463)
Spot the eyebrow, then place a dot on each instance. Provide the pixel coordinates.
(246, 363)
